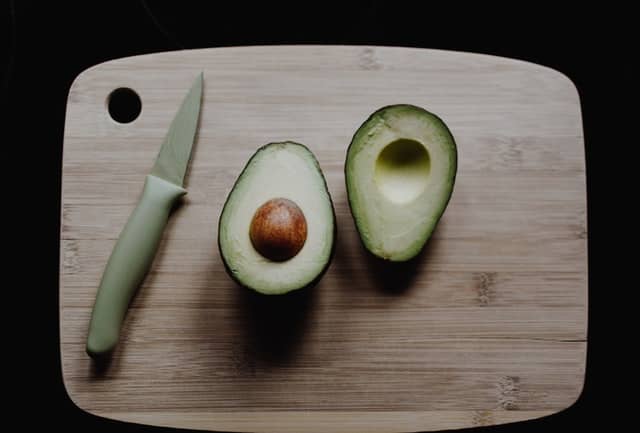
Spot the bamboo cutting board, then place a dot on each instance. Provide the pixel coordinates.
(487, 327)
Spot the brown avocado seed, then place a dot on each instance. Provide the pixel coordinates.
(278, 229)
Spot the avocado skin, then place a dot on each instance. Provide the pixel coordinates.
(333, 212)
(445, 203)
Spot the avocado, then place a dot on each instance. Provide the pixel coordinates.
(400, 170)
(277, 228)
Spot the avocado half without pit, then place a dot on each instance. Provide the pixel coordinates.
(277, 228)
(400, 171)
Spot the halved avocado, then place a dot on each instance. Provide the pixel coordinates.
(400, 171)
(277, 228)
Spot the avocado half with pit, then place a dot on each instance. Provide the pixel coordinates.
(400, 171)
(277, 228)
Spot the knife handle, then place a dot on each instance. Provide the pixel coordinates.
(129, 262)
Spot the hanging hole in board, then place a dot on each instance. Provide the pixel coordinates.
(124, 105)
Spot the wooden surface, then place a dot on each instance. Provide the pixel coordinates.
(488, 326)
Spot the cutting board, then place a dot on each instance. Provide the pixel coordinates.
(488, 326)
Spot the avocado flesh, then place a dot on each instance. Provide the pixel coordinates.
(400, 172)
(278, 170)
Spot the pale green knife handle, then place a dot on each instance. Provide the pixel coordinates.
(129, 262)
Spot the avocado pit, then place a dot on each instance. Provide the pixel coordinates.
(278, 229)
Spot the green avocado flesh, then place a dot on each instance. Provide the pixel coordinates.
(400, 171)
(288, 171)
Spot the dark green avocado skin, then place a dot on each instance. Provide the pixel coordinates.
(346, 168)
(333, 212)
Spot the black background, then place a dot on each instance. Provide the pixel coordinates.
(47, 44)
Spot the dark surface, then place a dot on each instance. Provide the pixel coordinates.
(124, 105)
(47, 44)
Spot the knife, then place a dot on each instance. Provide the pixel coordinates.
(136, 247)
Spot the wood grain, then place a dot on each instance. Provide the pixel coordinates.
(487, 327)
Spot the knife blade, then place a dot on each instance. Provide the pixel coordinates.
(136, 246)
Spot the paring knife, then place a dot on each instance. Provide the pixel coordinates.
(136, 247)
